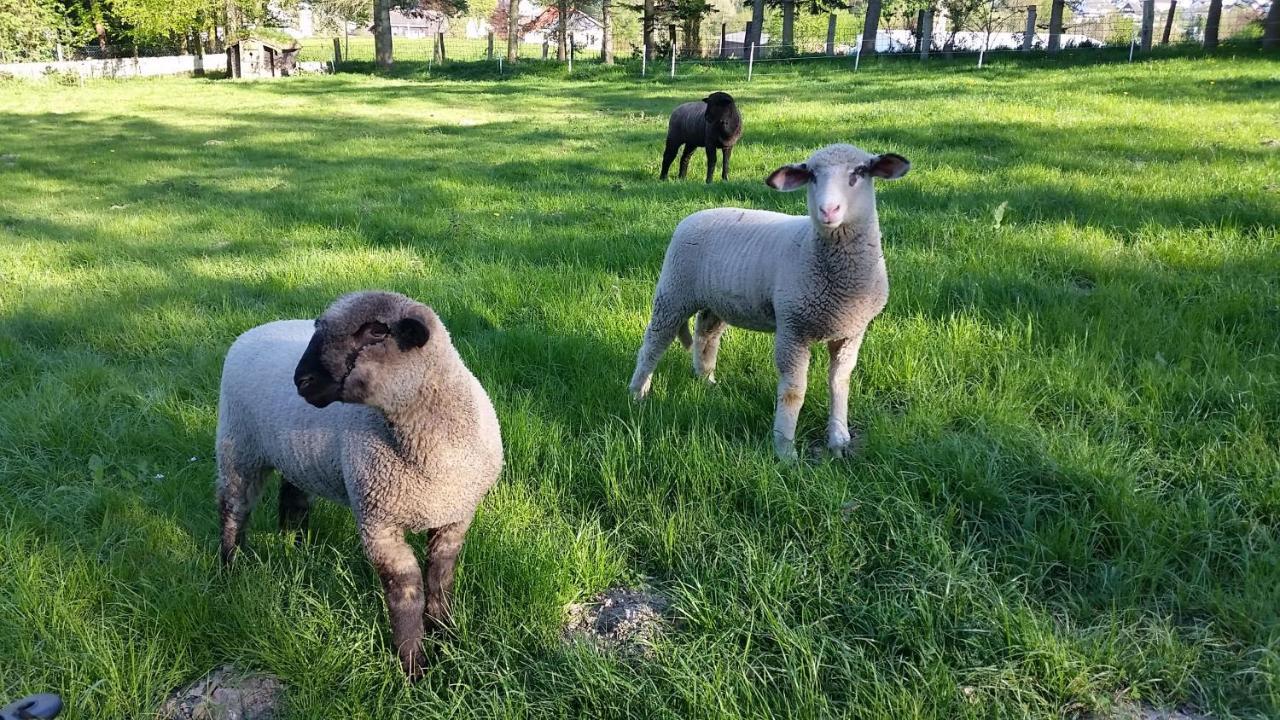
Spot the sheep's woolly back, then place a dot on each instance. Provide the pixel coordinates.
(427, 465)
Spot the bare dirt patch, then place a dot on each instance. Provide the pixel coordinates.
(226, 694)
(621, 619)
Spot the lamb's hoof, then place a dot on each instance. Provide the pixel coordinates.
(786, 451)
(414, 664)
(845, 446)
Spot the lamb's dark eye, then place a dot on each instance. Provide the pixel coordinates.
(373, 331)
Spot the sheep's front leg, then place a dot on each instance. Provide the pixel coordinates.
(711, 161)
(401, 577)
(724, 169)
(792, 358)
(844, 356)
(443, 549)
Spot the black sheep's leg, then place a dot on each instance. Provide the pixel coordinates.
(684, 159)
(724, 171)
(711, 162)
(668, 156)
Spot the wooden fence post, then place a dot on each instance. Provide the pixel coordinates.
(1148, 23)
(919, 25)
(571, 47)
(724, 31)
(831, 34)
(337, 52)
(1168, 22)
(546, 44)
(926, 32)
(489, 51)
(1029, 36)
(746, 38)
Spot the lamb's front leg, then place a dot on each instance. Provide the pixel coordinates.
(844, 356)
(401, 579)
(443, 549)
(792, 358)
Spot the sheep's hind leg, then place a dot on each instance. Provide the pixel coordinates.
(707, 332)
(401, 577)
(239, 485)
(792, 358)
(295, 507)
(844, 356)
(443, 548)
(668, 157)
(663, 328)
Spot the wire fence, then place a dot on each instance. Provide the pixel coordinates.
(999, 33)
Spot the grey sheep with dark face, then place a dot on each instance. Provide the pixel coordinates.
(712, 123)
(372, 407)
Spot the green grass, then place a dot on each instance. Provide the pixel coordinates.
(1070, 492)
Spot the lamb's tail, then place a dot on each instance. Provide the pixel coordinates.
(685, 338)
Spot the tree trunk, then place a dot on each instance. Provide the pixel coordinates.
(788, 23)
(562, 30)
(513, 30)
(1211, 23)
(382, 33)
(1271, 27)
(831, 34)
(1055, 26)
(233, 20)
(869, 28)
(606, 39)
(100, 27)
(757, 22)
(648, 29)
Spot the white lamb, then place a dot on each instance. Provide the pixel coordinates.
(809, 279)
(412, 444)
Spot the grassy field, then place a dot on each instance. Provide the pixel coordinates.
(1069, 495)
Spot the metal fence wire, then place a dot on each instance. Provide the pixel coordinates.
(1000, 30)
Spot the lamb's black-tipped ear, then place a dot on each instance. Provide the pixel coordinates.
(889, 166)
(789, 177)
(410, 333)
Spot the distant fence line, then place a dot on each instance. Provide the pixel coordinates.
(1014, 30)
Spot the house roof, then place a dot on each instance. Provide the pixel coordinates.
(418, 18)
(551, 17)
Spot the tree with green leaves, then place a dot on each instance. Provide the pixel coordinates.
(29, 29)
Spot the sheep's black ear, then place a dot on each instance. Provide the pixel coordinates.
(789, 177)
(889, 166)
(410, 333)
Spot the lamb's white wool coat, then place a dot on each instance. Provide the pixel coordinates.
(809, 278)
(394, 425)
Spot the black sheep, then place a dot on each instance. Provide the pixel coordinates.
(712, 123)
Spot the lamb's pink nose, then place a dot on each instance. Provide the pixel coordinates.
(829, 213)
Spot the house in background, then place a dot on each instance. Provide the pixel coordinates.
(538, 24)
(418, 23)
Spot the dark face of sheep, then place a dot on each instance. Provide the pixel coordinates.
(723, 119)
(367, 348)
